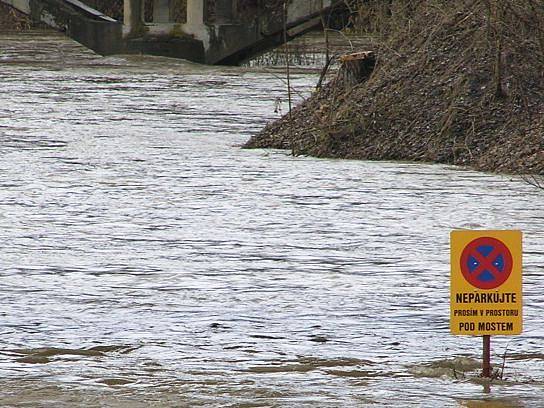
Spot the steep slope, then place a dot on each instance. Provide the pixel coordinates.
(459, 81)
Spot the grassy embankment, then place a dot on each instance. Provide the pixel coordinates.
(456, 81)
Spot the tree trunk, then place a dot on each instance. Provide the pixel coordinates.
(356, 68)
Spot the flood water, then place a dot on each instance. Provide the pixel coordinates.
(147, 260)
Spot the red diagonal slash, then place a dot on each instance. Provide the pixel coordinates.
(486, 262)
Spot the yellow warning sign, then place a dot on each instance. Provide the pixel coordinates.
(486, 283)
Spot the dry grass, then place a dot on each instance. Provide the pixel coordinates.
(457, 81)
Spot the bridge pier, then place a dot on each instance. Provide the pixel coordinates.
(195, 13)
(132, 16)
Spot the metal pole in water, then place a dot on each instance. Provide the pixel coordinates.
(486, 363)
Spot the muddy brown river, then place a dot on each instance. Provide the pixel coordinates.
(147, 260)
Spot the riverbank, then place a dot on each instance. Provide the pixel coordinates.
(465, 90)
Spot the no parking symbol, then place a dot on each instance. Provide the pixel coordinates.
(486, 263)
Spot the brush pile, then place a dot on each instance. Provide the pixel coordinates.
(455, 81)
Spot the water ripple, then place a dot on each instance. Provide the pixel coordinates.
(146, 259)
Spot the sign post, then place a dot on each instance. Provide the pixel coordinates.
(486, 286)
(486, 360)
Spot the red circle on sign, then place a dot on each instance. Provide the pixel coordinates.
(486, 263)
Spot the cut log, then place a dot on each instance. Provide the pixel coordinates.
(356, 68)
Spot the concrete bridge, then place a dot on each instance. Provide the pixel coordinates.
(205, 31)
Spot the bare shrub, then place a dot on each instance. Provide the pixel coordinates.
(455, 81)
